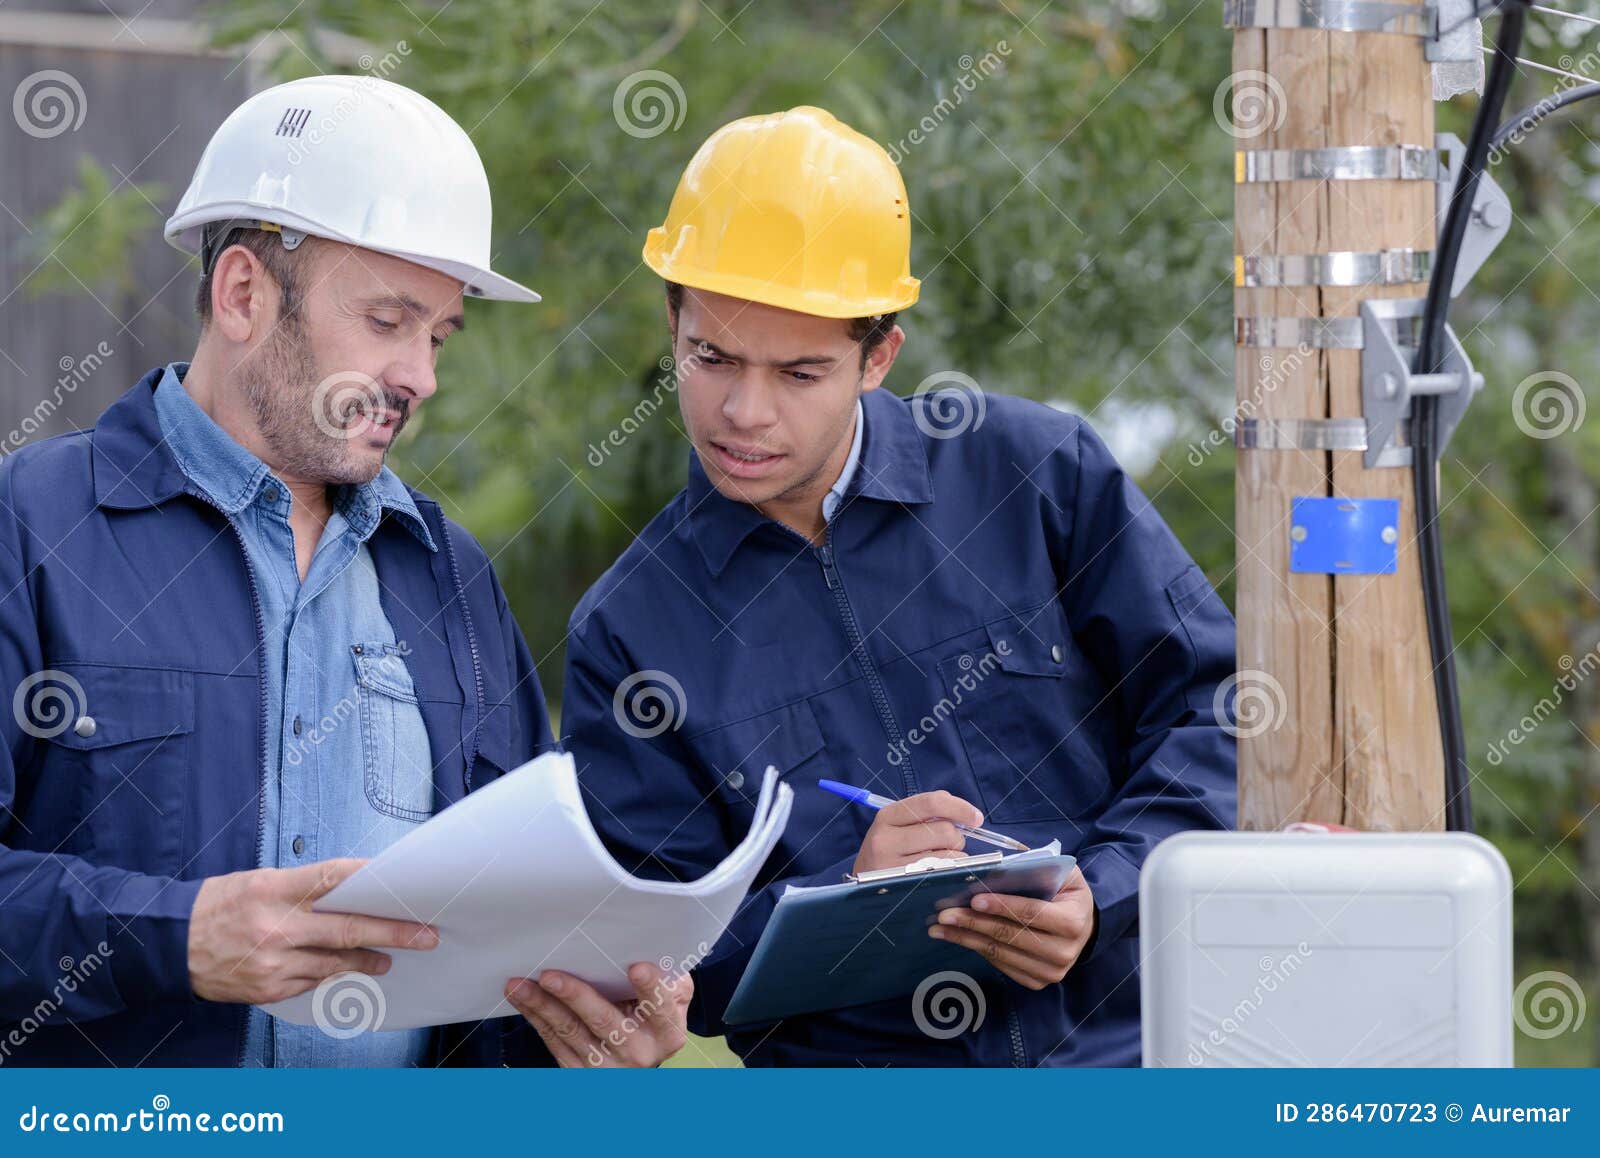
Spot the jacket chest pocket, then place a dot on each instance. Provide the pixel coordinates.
(121, 737)
(736, 757)
(396, 754)
(1021, 698)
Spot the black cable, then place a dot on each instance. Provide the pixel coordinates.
(1425, 419)
(1528, 119)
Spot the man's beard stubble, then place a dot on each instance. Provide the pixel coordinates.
(281, 383)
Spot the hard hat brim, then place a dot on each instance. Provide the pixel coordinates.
(816, 303)
(183, 232)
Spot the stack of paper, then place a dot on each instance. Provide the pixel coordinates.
(516, 881)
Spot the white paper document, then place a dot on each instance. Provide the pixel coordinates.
(516, 881)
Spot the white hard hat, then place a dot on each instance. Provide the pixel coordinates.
(356, 159)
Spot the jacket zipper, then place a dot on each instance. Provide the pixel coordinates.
(880, 699)
(472, 648)
(1019, 1051)
(261, 721)
(852, 631)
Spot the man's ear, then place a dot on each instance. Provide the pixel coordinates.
(241, 289)
(882, 358)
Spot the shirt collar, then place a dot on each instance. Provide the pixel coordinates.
(835, 495)
(891, 466)
(233, 478)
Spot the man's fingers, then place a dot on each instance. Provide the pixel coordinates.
(566, 1026)
(663, 999)
(1046, 949)
(320, 964)
(928, 837)
(1020, 967)
(600, 1016)
(352, 931)
(1044, 916)
(307, 883)
(659, 993)
(930, 806)
(525, 997)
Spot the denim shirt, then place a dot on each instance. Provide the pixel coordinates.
(349, 762)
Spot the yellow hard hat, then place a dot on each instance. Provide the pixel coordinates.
(793, 209)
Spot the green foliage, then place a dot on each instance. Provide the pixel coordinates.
(82, 241)
(1072, 226)
(1057, 259)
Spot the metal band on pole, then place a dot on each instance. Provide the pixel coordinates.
(1291, 333)
(1349, 268)
(1301, 434)
(1347, 163)
(1334, 15)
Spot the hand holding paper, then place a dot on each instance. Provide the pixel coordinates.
(516, 882)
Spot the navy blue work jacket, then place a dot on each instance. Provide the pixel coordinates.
(129, 599)
(998, 612)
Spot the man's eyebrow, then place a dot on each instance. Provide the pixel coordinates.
(805, 360)
(412, 306)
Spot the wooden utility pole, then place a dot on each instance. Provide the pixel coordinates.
(1354, 736)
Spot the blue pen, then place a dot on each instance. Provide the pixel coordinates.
(873, 800)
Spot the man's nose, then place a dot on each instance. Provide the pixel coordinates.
(414, 373)
(749, 404)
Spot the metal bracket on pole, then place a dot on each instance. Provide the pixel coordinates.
(1456, 48)
(1388, 385)
(1491, 212)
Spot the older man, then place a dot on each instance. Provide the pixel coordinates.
(241, 654)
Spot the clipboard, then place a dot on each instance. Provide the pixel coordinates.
(864, 940)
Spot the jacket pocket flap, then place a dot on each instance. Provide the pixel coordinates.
(1034, 643)
(785, 737)
(102, 706)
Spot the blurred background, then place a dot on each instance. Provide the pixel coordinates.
(1070, 179)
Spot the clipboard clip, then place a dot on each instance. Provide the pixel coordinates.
(928, 864)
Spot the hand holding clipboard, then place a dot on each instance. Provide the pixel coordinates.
(883, 931)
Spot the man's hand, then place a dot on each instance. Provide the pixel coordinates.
(918, 826)
(253, 937)
(1032, 942)
(581, 1028)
